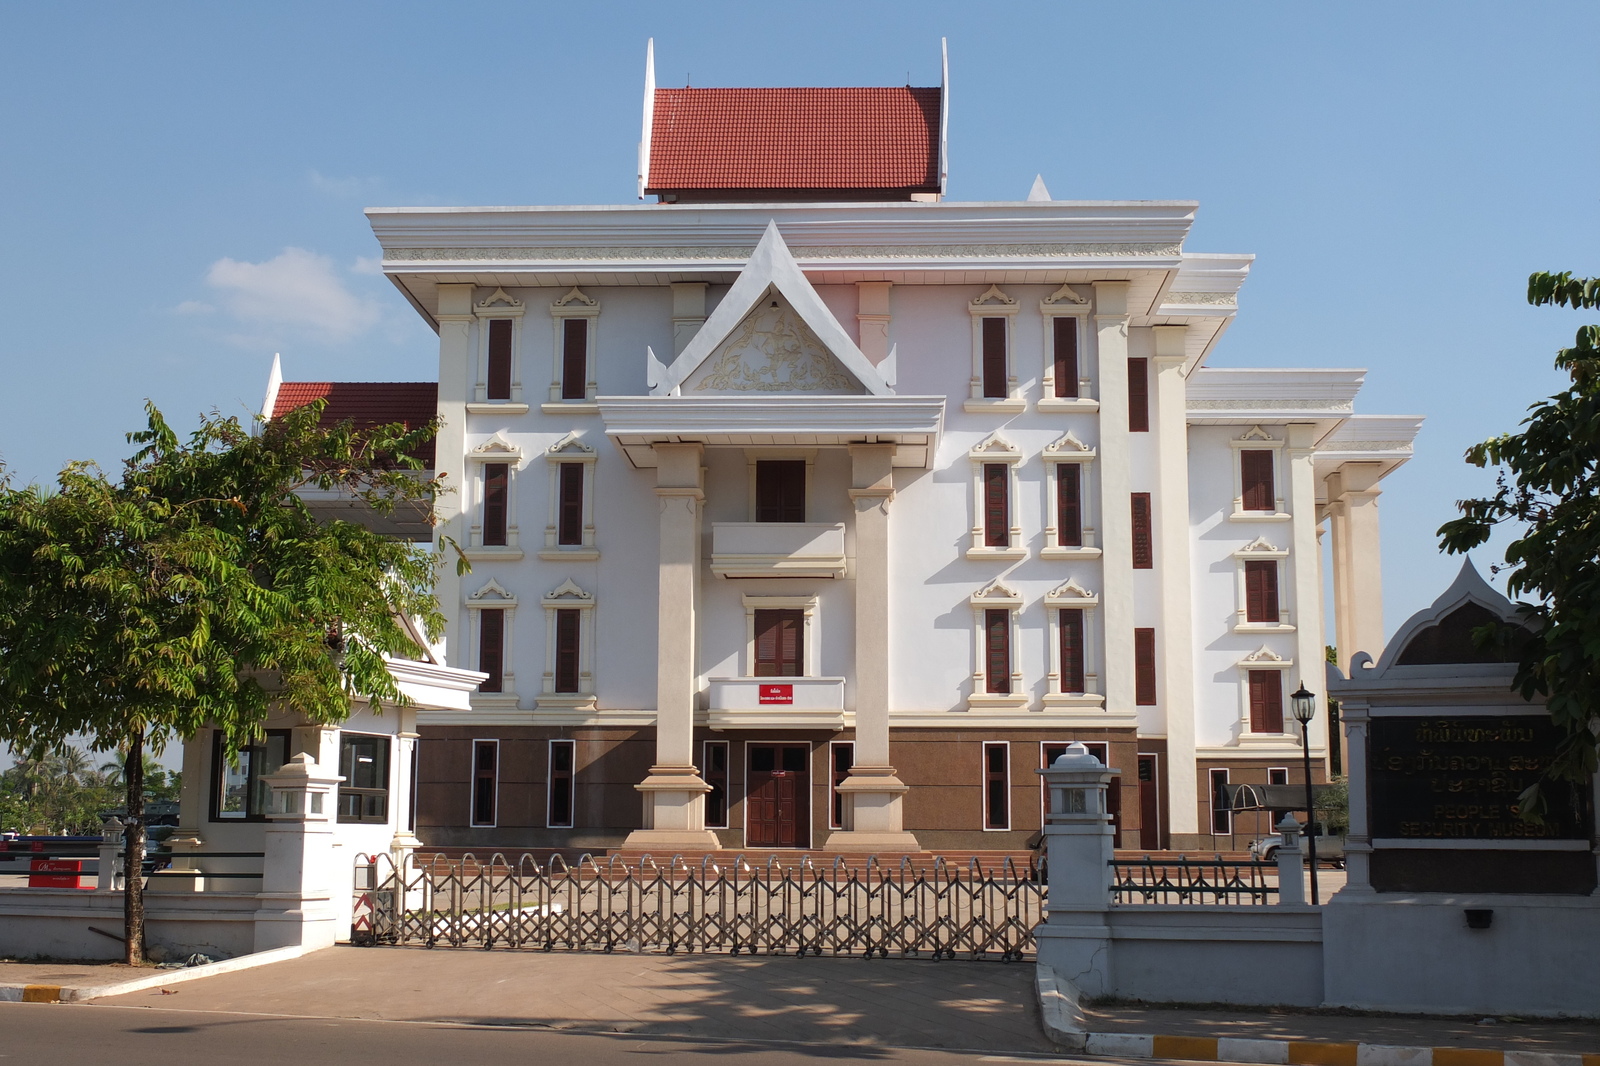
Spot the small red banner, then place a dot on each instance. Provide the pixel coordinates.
(47, 873)
(780, 694)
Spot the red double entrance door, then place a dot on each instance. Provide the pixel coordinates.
(778, 800)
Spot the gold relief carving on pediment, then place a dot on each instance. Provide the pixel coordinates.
(773, 350)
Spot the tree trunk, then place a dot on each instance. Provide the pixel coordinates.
(133, 863)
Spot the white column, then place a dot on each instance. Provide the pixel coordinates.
(674, 792)
(450, 447)
(872, 319)
(1175, 642)
(1305, 565)
(193, 805)
(1355, 714)
(301, 888)
(405, 841)
(1357, 560)
(688, 312)
(872, 791)
(1116, 520)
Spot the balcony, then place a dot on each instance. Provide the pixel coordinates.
(777, 549)
(776, 703)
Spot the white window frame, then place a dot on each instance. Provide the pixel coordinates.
(492, 596)
(550, 783)
(983, 780)
(1069, 449)
(996, 449)
(1261, 550)
(1072, 596)
(1211, 801)
(1066, 303)
(570, 449)
(1263, 658)
(1256, 439)
(498, 304)
(994, 304)
(752, 456)
(996, 596)
(497, 449)
(568, 596)
(845, 824)
(472, 794)
(809, 651)
(575, 304)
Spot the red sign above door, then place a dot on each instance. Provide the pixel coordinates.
(777, 694)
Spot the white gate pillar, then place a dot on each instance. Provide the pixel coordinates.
(298, 879)
(1075, 937)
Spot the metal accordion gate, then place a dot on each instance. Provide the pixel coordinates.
(932, 909)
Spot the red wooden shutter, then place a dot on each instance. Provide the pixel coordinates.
(499, 369)
(1069, 505)
(1072, 671)
(567, 649)
(997, 651)
(1255, 475)
(1266, 701)
(569, 518)
(495, 478)
(1144, 552)
(485, 760)
(996, 805)
(1261, 591)
(780, 646)
(575, 359)
(1144, 667)
(1066, 353)
(491, 648)
(996, 506)
(781, 490)
(1139, 395)
(995, 384)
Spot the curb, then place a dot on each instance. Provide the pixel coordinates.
(1063, 1022)
(76, 994)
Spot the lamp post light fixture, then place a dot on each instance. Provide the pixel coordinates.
(1305, 709)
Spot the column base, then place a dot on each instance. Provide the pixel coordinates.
(674, 812)
(873, 797)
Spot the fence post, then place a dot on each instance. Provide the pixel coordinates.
(1075, 937)
(298, 878)
(111, 833)
(1291, 870)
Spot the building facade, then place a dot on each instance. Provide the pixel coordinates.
(808, 509)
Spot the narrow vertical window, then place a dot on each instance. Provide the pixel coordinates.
(569, 513)
(842, 759)
(485, 781)
(715, 770)
(997, 651)
(496, 482)
(499, 369)
(996, 785)
(1069, 505)
(1261, 591)
(1072, 668)
(1266, 701)
(575, 359)
(561, 762)
(781, 490)
(491, 648)
(1144, 667)
(1221, 814)
(1139, 395)
(996, 506)
(567, 621)
(995, 383)
(1144, 547)
(1277, 775)
(1255, 476)
(779, 639)
(1066, 357)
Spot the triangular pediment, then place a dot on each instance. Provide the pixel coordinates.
(770, 333)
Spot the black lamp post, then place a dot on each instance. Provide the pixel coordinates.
(1305, 709)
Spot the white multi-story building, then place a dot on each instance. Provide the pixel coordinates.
(808, 509)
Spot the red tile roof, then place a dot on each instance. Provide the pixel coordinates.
(366, 403)
(874, 138)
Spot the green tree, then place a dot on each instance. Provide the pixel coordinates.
(1548, 486)
(197, 588)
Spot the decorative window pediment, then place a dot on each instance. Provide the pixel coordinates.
(499, 304)
(1264, 658)
(1064, 295)
(1261, 548)
(568, 594)
(996, 594)
(1071, 594)
(994, 301)
(576, 296)
(571, 449)
(492, 594)
(1069, 448)
(497, 450)
(996, 449)
(1255, 434)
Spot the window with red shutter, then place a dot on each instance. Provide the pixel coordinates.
(499, 370)
(997, 651)
(491, 648)
(485, 780)
(1144, 551)
(779, 643)
(995, 383)
(575, 359)
(563, 756)
(1139, 395)
(567, 649)
(1069, 505)
(1144, 667)
(781, 490)
(1261, 591)
(996, 785)
(569, 512)
(496, 478)
(1266, 701)
(1255, 476)
(996, 506)
(1072, 668)
(1066, 357)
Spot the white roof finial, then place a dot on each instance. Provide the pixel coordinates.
(1038, 192)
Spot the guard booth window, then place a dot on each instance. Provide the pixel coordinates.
(237, 791)
(364, 764)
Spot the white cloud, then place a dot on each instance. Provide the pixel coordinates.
(194, 307)
(368, 264)
(297, 288)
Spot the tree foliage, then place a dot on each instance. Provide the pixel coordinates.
(1548, 486)
(198, 588)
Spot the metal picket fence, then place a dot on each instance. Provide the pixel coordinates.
(1184, 880)
(933, 909)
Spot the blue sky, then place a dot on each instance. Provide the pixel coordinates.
(183, 183)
